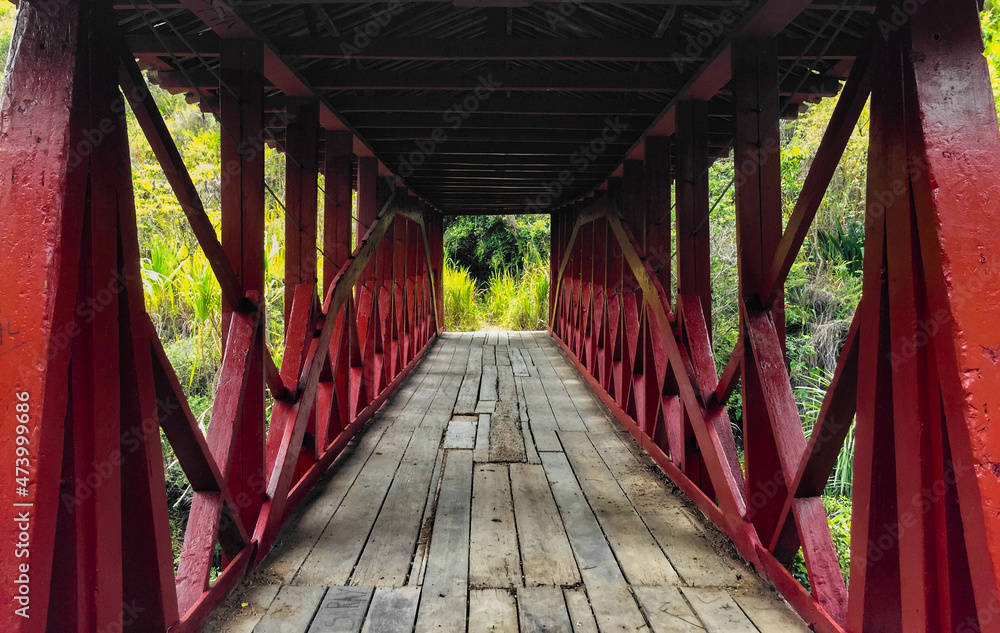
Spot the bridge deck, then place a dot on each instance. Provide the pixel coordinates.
(494, 493)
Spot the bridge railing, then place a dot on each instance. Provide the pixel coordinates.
(89, 378)
(917, 373)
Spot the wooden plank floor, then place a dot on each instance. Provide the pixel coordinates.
(494, 492)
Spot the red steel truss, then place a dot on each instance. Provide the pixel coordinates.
(80, 351)
(919, 366)
(88, 396)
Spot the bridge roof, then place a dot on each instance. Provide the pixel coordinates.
(481, 105)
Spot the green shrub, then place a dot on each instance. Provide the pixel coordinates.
(838, 513)
(528, 306)
(461, 302)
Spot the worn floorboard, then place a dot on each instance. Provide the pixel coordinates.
(540, 515)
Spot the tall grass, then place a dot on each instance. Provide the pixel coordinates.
(837, 496)
(461, 300)
(510, 302)
(810, 397)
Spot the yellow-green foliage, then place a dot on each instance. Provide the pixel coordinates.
(461, 300)
(508, 303)
(7, 12)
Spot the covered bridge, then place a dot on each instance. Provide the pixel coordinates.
(396, 477)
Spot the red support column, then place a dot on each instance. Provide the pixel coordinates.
(301, 176)
(338, 155)
(757, 164)
(337, 247)
(435, 237)
(555, 258)
(242, 120)
(365, 291)
(661, 406)
(925, 487)
(694, 255)
(658, 180)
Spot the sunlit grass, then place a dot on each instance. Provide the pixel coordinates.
(508, 303)
(461, 300)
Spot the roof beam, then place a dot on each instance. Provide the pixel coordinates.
(532, 80)
(437, 49)
(520, 81)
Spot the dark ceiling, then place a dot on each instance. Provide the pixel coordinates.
(481, 108)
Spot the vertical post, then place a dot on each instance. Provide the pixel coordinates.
(337, 248)
(301, 176)
(757, 157)
(242, 200)
(657, 186)
(633, 208)
(337, 203)
(555, 258)
(693, 248)
(367, 188)
(436, 237)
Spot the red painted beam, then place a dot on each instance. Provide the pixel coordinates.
(242, 202)
(301, 186)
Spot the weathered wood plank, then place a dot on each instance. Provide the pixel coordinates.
(337, 551)
(486, 406)
(419, 566)
(691, 555)
(580, 615)
(543, 610)
(771, 614)
(482, 453)
(385, 561)
(503, 338)
(302, 531)
(522, 407)
(503, 355)
(292, 610)
(530, 452)
(667, 611)
(546, 555)
(638, 554)
(566, 415)
(612, 602)
(468, 395)
(593, 413)
(543, 423)
(342, 611)
(494, 561)
(243, 611)
(460, 434)
(517, 362)
(393, 610)
(718, 611)
(492, 611)
(488, 384)
(443, 600)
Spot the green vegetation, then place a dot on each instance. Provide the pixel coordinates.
(7, 12)
(496, 273)
(497, 268)
(461, 299)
